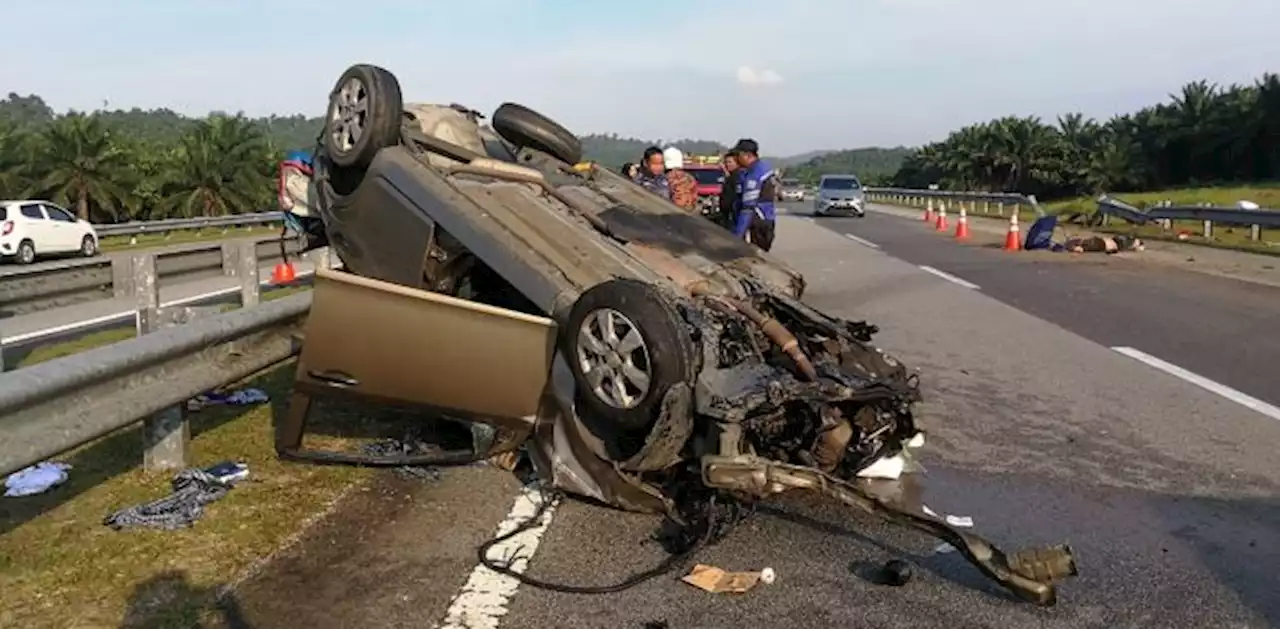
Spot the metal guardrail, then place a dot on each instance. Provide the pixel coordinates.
(1165, 213)
(24, 290)
(1108, 208)
(55, 406)
(992, 202)
(136, 228)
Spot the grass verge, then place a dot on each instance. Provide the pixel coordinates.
(145, 241)
(61, 567)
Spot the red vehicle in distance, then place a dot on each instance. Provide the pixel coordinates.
(710, 177)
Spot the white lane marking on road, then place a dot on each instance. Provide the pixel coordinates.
(1223, 390)
(862, 241)
(483, 600)
(949, 277)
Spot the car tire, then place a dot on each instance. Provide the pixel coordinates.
(26, 252)
(363, 117)
(648, 334)
(88, 247)
(526, 128)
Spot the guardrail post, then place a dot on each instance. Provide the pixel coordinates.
(1000, 208)
(1208, 229)
(230, 265)
(122, 276)
(1255, 233)
(247, 271)
(166, 436)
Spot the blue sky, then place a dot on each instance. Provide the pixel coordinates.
(797, 75)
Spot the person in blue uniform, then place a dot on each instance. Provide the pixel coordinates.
(757, 192)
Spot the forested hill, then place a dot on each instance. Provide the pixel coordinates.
(874, 165)
(163, 126)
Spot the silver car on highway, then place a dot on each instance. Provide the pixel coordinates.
(839, 195)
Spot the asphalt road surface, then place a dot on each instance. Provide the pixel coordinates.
(1038, 430)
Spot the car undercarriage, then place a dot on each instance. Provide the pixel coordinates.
(687, 373)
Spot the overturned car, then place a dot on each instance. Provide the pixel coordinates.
(641, 356)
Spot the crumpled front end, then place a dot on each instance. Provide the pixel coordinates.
(785, 397)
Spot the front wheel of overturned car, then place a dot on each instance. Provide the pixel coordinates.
(527, 128)
(365, 109)
(626, 345)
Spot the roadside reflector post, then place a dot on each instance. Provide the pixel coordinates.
(1255, 233)
(1208, 229)
(166, 436)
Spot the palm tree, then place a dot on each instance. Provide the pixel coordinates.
(78, 165)
(15, 161)
(219, 168)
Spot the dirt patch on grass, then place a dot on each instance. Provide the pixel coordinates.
(61, 567)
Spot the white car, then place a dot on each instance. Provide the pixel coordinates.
(32, 227)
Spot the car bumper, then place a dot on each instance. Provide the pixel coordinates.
(8, 247)
(840, 210)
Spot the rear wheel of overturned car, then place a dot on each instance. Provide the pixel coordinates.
(626, 345)
(527, 128)
(365, 109)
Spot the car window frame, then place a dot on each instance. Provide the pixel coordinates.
(39, 208)
(51, 211)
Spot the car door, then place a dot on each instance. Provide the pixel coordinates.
(388, 343)
(37, 227)
(66, 232)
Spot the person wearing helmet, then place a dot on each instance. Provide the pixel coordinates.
(757, 191)
(684, 188)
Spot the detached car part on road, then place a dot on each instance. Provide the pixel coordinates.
(646, 357)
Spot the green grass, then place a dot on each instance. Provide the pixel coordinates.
(177, 237)
(1234, 237)
(61, 567)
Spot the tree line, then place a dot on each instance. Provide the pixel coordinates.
(1204, 135)
(110, 166)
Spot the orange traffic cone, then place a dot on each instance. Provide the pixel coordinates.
(928, 210)
(1012, 241)
(282, 273)
(941, 225)
(962, 227)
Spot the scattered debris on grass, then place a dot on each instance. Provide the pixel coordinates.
(35, 479)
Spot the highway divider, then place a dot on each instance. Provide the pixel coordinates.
(55, 406)
(138, 228)
(29, 289)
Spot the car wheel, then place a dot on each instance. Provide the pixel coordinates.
(365, 109)
(88, 247)
(527, 128)
(26, 252)
(626, 345)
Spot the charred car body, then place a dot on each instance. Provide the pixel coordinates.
(662, 365)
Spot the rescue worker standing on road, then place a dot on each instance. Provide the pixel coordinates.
(728, 191)
(757, 192)
(653, 173)
(684, 188)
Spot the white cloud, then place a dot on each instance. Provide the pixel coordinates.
(750, 76)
